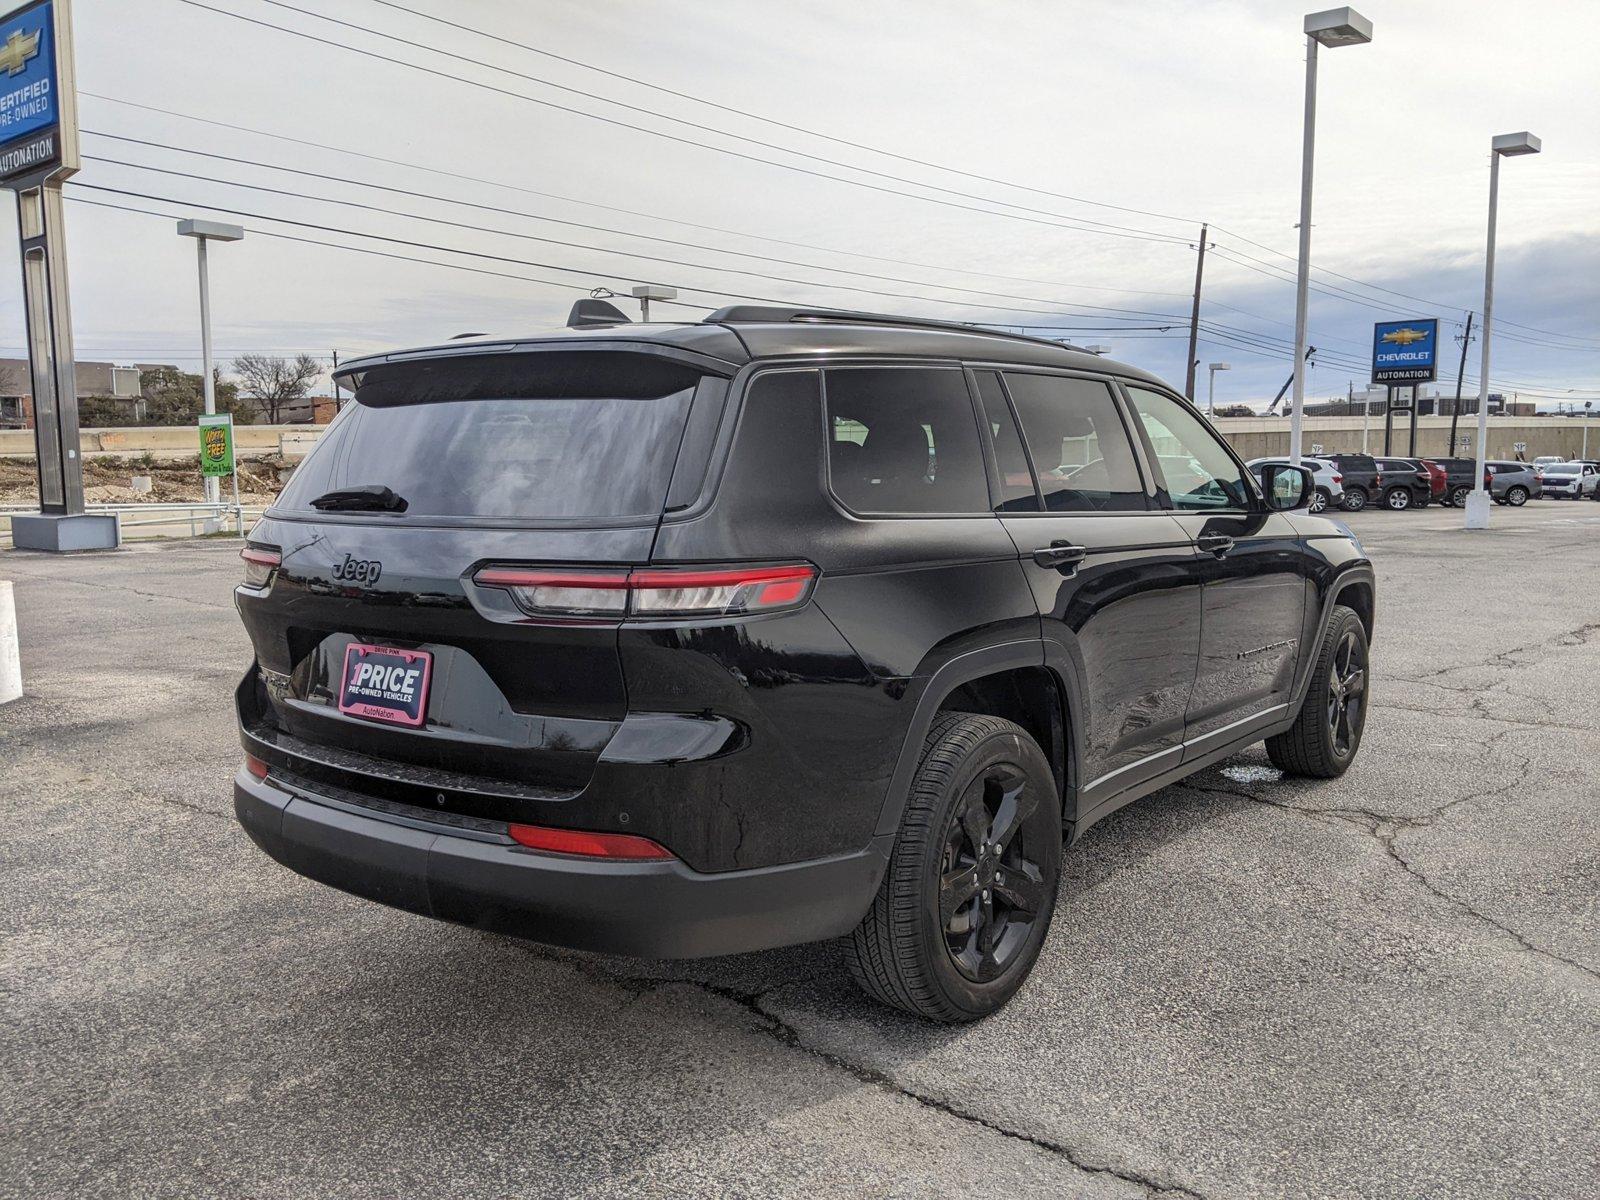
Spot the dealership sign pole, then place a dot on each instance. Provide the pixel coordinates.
(1404, 353)
(38, 151)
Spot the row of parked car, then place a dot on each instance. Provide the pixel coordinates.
(1356, 481)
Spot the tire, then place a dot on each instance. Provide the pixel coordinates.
(1319, 501)
(1398, 499)
(917, 948)
(1355, 499)
(1322, 743)
(1459, 496)
(1516, 496)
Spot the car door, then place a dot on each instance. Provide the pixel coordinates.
(1253, 569)
(1113, 576)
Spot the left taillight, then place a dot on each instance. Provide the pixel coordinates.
(652, 593)
(259, 564)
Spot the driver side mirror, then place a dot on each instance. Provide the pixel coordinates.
(1287, 487)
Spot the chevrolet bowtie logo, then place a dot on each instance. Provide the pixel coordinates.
(19, 48)
(1404, 337)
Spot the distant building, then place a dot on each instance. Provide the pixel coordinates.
(113, 380)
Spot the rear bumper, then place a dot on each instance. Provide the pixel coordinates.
(483, 879)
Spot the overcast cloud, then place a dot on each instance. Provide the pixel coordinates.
(1180, 110)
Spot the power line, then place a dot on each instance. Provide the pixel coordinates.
(739, 112)
(1082, 225)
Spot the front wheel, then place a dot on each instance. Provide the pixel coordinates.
(1517, 496)
(1355, 499)
(966, 901)
(1323, 741)
(1397, 499)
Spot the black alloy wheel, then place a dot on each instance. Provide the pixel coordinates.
(1347, 689)
(991, 884)
(1355, 499)
(966, 901)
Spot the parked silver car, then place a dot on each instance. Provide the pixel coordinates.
(1514, 483)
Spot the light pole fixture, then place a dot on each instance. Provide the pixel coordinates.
(1504, 145)
(1211, 388)
(1588, 407)
(646, 292)
(1334, 28)
(203, 232)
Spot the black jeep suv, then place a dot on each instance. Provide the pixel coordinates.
(680, 640)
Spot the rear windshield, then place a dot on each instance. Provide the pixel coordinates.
(564, 436)
(1562, 469)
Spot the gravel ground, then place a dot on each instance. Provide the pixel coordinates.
(1387, 986)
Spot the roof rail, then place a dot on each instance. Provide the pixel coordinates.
(761, 314)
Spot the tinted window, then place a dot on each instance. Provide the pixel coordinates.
(541, 436)
(1199, 473)
(1079, 446)
(904, 440)
(1016, 480)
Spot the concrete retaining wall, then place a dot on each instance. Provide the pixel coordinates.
(171, 441)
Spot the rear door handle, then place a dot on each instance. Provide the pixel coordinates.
(1063, 556)
(1214, 543)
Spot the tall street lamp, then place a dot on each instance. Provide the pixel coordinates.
(1334, 28)
(1502, 146)
(1211, 388)
(203, 232)
(1588, 407)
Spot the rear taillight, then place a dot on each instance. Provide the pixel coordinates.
(1338, 478)
(618, 847)
(648, 593)
(259, 564)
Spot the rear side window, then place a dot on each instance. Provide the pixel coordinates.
(1080, 448)
(1015, 481)
(551, 436)
(904, 440)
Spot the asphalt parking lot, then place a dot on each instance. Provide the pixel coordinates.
(1388, 985)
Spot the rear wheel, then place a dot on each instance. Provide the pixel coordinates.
(1398, 499)
(1459, 496)
(966, 902)
(1319, 500)
(1324, 739)
(1355, 499)
(1517, 496)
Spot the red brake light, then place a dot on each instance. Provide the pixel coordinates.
(652, 592)
(1338, 478)
(259, 564)
(618, 847)
(255, 766)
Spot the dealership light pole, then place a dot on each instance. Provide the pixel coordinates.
(1334, 28)
(1211, 387)
(1588, 407)
(203, 232)
(1504, 145)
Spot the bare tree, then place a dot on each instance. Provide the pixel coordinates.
(274, 382)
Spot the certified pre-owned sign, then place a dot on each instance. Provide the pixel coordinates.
(1405, 351)
(36, 131)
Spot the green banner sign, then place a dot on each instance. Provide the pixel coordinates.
(216, 444)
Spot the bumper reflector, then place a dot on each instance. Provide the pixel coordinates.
(618, 847)
(255, 766)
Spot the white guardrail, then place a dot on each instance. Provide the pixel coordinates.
(179, 520)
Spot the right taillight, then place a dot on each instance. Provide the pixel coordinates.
(259, 564)
(651, 593)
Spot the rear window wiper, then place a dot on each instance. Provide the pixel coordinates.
(368, 497)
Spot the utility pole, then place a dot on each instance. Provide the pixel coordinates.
(1194, 316)
(1455, 413)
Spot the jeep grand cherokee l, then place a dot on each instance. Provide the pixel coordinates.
(680, 640)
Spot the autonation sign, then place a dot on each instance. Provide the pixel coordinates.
(1405, 351)
(31, 101)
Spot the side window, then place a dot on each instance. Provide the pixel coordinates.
(1079, 446)
(903, 440)
(1017, 492)
(1200, 475)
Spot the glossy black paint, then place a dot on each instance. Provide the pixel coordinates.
(755, 743)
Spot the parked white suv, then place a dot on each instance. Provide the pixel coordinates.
(1325, 476)
(1571, 480)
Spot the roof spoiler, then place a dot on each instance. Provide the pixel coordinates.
(752, 314)
(590, 312)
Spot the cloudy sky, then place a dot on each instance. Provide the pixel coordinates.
(1042, 163)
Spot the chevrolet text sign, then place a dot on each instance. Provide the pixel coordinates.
(1405, 351)
(31, 103)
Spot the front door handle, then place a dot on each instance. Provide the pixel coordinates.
(1214, 543)
(1063, 556)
